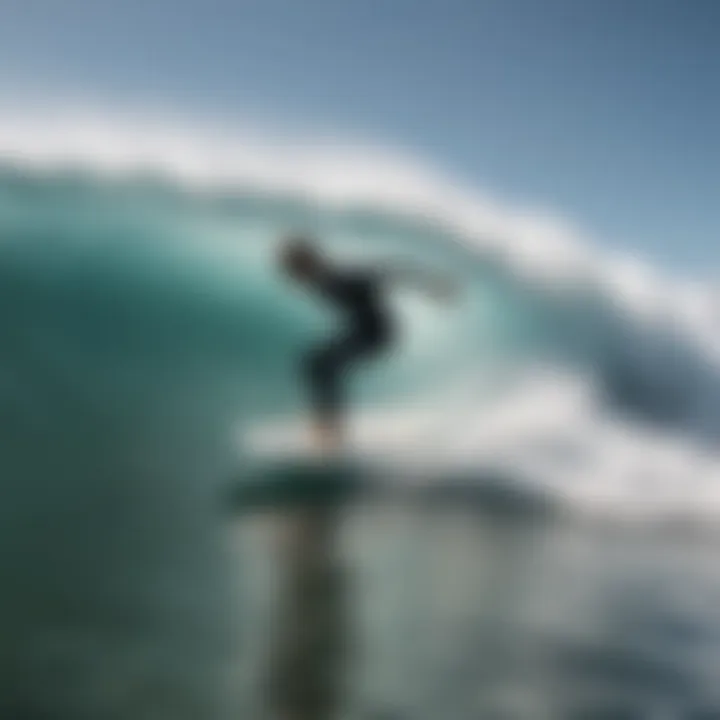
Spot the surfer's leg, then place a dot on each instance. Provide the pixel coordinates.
(327, 372)
(325, 369)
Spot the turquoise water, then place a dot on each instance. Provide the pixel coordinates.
(142, 322)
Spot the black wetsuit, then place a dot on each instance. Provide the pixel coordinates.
(366, 330)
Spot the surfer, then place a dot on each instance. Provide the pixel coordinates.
(367, 332)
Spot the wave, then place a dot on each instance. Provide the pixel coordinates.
(147, 243)
(346, 175)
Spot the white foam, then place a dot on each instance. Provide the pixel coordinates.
(552, 432)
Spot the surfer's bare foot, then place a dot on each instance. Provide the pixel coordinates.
(327, 437)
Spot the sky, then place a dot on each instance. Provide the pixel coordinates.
(605, 111)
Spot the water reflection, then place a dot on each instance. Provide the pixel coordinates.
(451, 610)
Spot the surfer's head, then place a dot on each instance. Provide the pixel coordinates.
(300, 258)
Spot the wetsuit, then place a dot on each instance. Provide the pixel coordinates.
(366, 331)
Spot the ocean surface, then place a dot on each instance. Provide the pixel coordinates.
(542, 541)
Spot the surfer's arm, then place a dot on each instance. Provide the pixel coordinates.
(434, 284)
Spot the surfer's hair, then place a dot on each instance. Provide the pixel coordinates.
(299, 255)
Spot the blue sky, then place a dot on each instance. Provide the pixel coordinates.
(605, 110)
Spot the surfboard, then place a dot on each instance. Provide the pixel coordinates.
(284, 468)
(410, 453)
(288, 484)
(282, 465)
